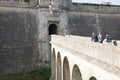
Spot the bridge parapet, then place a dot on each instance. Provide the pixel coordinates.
(104, 52)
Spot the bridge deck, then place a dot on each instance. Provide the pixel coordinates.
(103, 55)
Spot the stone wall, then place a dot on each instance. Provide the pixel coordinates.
(43, 38)
(95, 8)
(18, 40)
(45, 20)
(85, 19)
(19, 3)
(24, 38)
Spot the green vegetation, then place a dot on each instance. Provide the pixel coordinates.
(38, 74)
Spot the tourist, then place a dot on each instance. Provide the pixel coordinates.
(94, 37)
(108, 38)
(100, 37)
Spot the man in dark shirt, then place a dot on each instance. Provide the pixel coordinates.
(108, 38)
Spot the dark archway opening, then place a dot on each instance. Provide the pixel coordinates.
(92, 78)
(52, 29)
(76, 73)
(66, 69)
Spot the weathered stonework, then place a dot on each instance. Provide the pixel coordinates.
(18, 40)
(94, 18)
(19, 3)
(44, 3)
(26, 26)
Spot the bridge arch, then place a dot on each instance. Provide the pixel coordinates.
(76, 73)
(66, 69)
(92, 78)
(53, 64)
(59, 67)
(52, 29)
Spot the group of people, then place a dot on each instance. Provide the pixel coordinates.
(99, 38)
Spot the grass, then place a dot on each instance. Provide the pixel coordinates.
(38, 74)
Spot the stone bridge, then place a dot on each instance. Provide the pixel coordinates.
(77, 58)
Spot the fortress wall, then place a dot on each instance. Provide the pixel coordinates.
(19, 3)
(95, 8)
(18, 40)
(43, 38)
(89, 20)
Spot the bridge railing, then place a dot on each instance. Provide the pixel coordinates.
(105, 52)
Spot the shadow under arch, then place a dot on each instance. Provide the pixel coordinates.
(76, 73)
(59, 75)
(52, 29)
(92, 78)
(53, 64)
(66, 69)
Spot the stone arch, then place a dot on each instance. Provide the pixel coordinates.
(52, 29)
(53, 64)
(59, 77)
(92, 78)
(76, 73)
(66, 69)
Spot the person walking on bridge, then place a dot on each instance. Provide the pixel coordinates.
(94, 37)
(108, 38)
(100, 37)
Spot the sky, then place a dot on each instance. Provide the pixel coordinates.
(113, 2)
